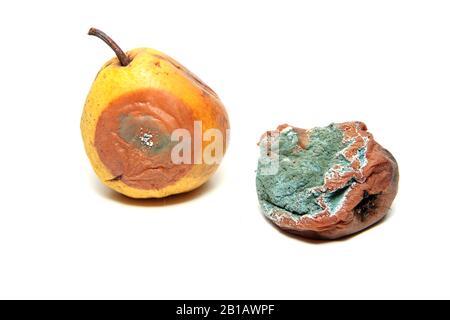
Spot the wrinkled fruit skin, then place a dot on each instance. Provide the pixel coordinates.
(129, 116)
(332, 181)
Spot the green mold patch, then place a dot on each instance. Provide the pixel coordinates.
(335, 199)
(144, 133)
(297, 184)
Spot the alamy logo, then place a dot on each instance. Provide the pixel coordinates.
(191, 150)
(269, 154)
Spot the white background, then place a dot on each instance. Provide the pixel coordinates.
(64, 235)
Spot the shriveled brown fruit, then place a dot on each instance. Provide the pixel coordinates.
(325, 183)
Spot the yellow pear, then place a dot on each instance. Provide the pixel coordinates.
(142, 106)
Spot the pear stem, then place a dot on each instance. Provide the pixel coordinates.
(123, 58)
